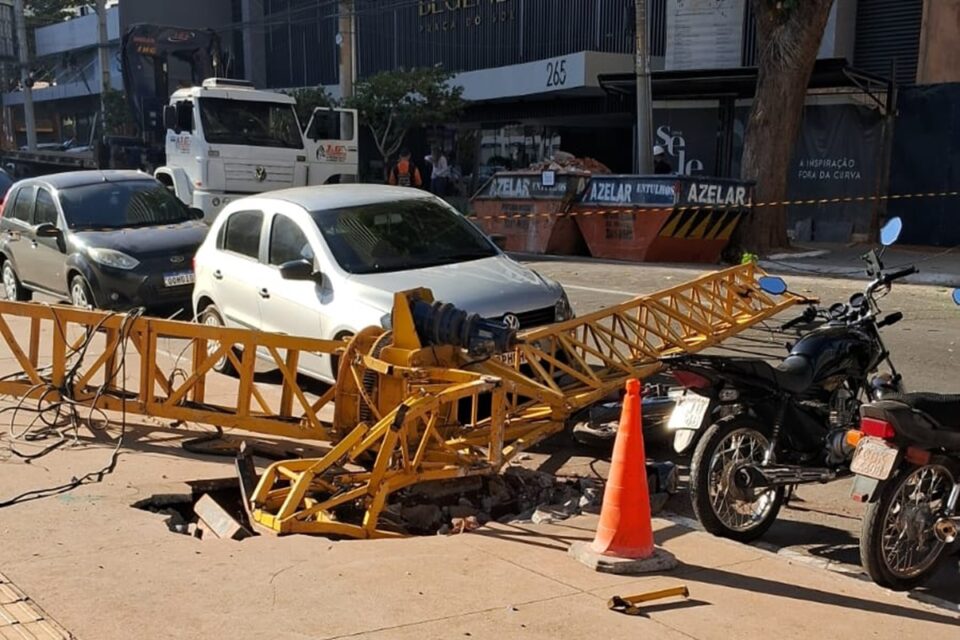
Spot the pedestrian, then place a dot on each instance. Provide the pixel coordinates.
(660, 163)
(405, 173)
(439, 171)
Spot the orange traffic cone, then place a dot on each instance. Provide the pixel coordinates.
(624, 539)
(624, 528)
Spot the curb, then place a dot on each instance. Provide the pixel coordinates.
(929, 279)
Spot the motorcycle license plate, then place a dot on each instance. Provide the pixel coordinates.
(874, 458)
(689, 412)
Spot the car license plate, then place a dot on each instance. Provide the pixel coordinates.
(512, 358)
(178, 279)
(874, 458)
(689, 412)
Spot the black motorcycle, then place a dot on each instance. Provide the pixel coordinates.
(907, 463)
(778, 426)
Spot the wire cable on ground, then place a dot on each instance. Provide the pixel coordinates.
(61, 418)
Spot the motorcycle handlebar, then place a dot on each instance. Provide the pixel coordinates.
(896, 275)
(809, 315)
(890, 319)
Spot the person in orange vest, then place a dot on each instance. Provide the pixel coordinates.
(405, 173)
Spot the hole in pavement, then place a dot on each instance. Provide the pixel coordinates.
(181, 509)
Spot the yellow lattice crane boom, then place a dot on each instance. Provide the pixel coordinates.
(413, 404)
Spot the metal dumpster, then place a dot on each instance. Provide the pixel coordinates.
(660, 218)
(528, 209)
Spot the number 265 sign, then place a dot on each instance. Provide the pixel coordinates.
(556, 73)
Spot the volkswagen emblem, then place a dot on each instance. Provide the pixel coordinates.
(260, 174)
(176, 259)
(512, 321)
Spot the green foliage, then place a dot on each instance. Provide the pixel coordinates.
(748, 257)
(42, 12)
(391, 103)
(116, 113)
(308, 99)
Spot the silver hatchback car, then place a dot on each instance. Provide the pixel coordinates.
(326, 261)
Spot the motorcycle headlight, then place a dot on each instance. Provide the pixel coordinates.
(562, 309)
(113, 258)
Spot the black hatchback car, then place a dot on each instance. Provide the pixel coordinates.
(108, 239)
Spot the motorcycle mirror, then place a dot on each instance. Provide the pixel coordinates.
(891, 231)
(956, 296)
(773, 285)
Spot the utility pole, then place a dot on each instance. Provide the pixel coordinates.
(345, 34)
(644, 98)
(104, 53)
(28, 117)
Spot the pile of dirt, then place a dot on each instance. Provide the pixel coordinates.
(569, 163)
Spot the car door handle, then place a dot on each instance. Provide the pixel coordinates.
(218, 275)
(264, 293)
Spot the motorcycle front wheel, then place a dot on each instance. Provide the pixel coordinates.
(721, 507)
(898, 547)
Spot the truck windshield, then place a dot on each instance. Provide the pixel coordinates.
(118, 205)
(397, 236)
(246, 122)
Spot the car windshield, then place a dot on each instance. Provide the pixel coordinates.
(397, 236)
(258, 124)
(118, 205)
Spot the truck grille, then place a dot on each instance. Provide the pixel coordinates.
(243, 176)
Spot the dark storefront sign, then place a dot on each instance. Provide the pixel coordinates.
(835, 156)
(926, 159)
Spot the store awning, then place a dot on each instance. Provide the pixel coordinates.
(741, 82)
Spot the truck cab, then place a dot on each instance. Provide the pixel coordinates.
(225, 140)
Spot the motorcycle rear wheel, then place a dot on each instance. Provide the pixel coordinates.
(731, 442)
(898, 548)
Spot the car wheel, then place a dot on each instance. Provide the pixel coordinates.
(80, 295)
(11, 284)
(211, 317)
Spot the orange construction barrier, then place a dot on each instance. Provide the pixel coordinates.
(624, 530)
(528, 210)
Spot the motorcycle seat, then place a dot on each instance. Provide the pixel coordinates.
(794, 374)
(942, 408)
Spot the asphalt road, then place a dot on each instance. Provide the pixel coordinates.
(823, 522)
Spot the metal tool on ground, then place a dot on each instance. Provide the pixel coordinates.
(624, 541)
(428, 400)
(628, 604)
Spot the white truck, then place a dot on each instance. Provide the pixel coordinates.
(226, 140)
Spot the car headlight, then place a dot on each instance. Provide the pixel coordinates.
(113, 258)
(562, 309)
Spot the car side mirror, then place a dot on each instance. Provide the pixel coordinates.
(300, 270)
(170, 117)
(47, 230)
(499, 240)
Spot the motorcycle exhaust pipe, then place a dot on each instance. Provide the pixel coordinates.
(946, 530)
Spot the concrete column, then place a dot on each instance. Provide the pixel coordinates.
(254, 42)
(939, 59)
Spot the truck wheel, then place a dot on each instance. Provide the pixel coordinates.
(11, 285)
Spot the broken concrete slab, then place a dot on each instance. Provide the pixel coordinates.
(218, 520)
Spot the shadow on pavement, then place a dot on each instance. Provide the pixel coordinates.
(765, 586)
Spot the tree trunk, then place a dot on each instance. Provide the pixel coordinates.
(789, 35)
